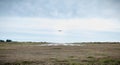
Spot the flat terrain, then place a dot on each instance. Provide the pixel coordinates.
(35, 54)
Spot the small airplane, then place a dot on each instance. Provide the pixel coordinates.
(59, 30)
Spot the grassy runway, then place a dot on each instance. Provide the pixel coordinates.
(34, 54)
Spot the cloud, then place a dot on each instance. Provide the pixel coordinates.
(46, 24)
(60, 8)
(94, 24)
(80, 18)
(46, 29)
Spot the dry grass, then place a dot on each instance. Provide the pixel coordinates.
(34, 54)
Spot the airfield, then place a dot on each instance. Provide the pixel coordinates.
(30, 53)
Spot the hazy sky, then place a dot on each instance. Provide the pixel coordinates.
(79, 20)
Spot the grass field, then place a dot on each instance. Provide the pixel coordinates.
(35, 54)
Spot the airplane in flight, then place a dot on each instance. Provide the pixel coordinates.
(59, 30)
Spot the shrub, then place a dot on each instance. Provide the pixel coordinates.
(2, 41)
(8, 40)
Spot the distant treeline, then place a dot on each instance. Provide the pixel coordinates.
(97, 42)
(7, 40)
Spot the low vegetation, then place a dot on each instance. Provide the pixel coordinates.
(31, 53)
(102, 61)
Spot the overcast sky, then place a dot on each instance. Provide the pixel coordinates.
(79, 20)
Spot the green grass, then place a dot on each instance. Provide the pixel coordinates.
(56, 61)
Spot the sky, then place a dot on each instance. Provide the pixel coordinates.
(78, 20)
